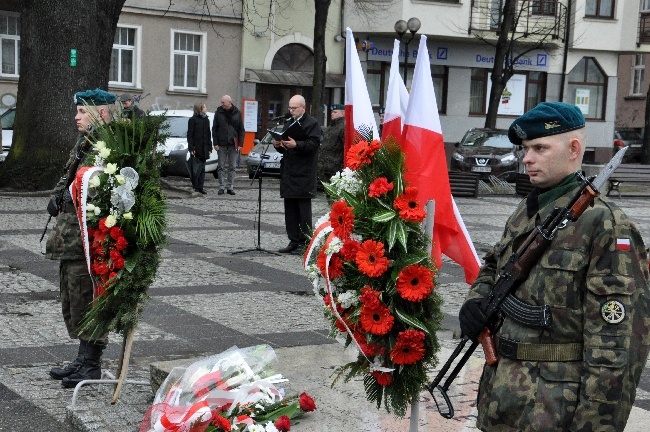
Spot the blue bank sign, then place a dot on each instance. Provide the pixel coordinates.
(455, 54)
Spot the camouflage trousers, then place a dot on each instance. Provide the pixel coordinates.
(76, 296)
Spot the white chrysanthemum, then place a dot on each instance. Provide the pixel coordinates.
(348, 299)
(99, 145)
(105, 152)
(335, 245)
(110, 168)
(110, 221)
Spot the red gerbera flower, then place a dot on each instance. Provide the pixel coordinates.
(349, 249)
(414, 283)
(408, 206)
(373, 147)
(368, 349)
(283, 423)
(409, 347)
(335, 266)
(306, 402)
(359, 154)
(221, 422)
(370, 258)
(379, 187)
(376, 319)
(342, 219)
(383, 378)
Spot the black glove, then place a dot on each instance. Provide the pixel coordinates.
(53, 206)
(472, 319)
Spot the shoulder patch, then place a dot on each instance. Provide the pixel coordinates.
(612, 311)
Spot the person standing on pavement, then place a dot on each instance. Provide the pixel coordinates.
(330, 155)
(199, 144)
(298, 172)
(580, 372)
(382, 111)
(228, 136)
(65, 244)
(129, 108)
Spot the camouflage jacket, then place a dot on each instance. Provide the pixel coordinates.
(64, 241)
(586, 267)
(330, 156)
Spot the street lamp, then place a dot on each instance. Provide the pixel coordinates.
(401, 26)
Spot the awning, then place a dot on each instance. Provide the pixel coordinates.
(282, 77)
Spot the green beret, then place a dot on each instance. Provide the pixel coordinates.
(382, 111)
(94, 97)
(337, 107)
(547, 118)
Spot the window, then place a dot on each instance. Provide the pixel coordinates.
(544, 7)
(293, 57)
(587, 88)
(645, 6)
(10, 44)
(378, 76)
(188, 61)
(478, 90)
(124, 57)
(495, 14)
(638, 68)
(439, 75)
(599, 8)
(535, 89)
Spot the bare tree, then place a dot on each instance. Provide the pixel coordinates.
(519, 33)
(65, 47)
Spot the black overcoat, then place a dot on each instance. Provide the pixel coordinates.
(199, 137)
(298, 168)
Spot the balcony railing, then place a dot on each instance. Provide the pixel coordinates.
(644, 28)
(533, 18)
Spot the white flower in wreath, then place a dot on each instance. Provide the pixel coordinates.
(120, 179)
(128, 216)
(270, 427)
(346, 180)
(335, 245)
(99, 146)
(104, 153)
(110, 221)
(110, 168)
(94, 182)
(348, 299)
(255, 428)
(313, 273)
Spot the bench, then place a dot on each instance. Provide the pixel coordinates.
(464, 184)
(630, 179)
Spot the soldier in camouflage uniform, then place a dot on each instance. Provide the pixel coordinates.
(65, 244)
(330, 156)
(581, 372)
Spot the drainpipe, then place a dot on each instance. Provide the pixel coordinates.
(566, 48)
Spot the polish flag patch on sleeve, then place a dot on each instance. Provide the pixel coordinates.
(623, 244)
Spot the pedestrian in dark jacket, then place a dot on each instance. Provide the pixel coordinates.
(228, 136)
(199, 144)
(298, 172)
(129, 108)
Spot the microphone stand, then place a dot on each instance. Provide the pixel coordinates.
(258, 173)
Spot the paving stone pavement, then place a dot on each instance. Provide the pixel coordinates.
(207, 299)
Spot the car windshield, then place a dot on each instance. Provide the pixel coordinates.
(626, 135)
(487, 139)
(177, 126)
(8, 119)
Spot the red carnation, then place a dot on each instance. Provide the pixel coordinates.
(369, 296)
(409, 347)
(283, 423)
(349, 249)
(118, 263)
(414, 283)
(101, 268)
(370, 258)
(220, 422)
(408, 205)
(116, 232)
(379, 187)
(121, 243)
(306, 402)
(342, 219)
(102, 226)
(383, 378)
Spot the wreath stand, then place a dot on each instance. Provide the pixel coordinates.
(109, 378)
(427, 227)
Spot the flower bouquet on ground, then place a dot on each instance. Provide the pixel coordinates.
(121, 209)
(231, 391)
(369, 263)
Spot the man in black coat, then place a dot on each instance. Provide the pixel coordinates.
(227, 135)
(199, 144)
(298, 172)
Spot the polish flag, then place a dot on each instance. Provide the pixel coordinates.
(426, 166)
(360, 122)
(397, 100)
(623, 244)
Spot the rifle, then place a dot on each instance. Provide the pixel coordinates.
(512, 275)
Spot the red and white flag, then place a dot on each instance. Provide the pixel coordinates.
(426, 166)
(397, 100)
(623, 244)
(360, 122)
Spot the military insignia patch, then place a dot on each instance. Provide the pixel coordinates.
(552, 124)
(520, 132)
(613, 311)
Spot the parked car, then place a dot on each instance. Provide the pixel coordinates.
(175, 147)
(629, 138)
(272, 157)
(7, 120)
(487, 152)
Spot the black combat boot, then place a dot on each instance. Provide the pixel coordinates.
(60, 373)
(90, 369)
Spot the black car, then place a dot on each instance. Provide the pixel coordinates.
(629, 138)
(487, 152)
(264, 149)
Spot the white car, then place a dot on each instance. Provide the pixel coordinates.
(175, 147)
(7, 119)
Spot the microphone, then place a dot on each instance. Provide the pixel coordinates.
(286, 116)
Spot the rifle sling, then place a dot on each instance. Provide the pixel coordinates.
(539, 317)
(539, 352)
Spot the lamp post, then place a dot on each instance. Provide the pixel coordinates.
(401, 27)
